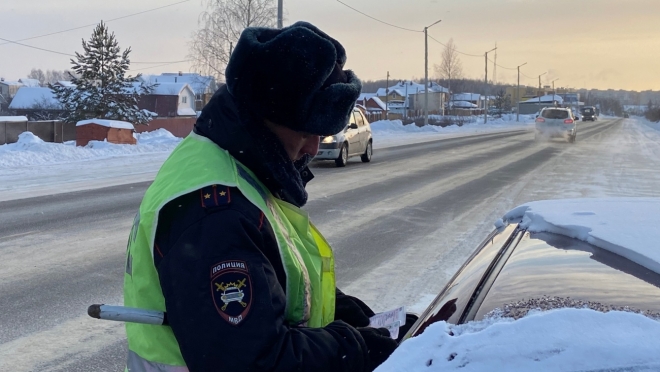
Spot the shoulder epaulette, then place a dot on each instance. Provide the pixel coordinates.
(215, 196)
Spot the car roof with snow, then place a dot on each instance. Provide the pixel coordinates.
(578, 253)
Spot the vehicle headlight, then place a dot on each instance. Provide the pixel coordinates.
(329, 139)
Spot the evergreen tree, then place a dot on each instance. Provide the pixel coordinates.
(502, 102)
(102, 88)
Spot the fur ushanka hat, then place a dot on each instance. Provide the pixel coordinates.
(293, 77)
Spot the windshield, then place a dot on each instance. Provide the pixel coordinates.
(555, 114)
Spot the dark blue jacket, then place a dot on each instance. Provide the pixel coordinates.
(216, 225)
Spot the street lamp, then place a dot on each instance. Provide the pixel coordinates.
(518, 93)
(554, 92)
(426, 72)
(486, 88)
(540, 87)
(280, 12)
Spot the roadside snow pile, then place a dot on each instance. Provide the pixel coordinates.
(396, 126)
(629, 227)
(31, 150)
(157, 137)
(27, 140)
(556, 340)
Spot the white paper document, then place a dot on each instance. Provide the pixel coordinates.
(392, 320)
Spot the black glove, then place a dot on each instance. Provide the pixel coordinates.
(352, 310)
(410, 320)
(379, 343)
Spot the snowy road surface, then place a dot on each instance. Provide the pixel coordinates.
(400, 226)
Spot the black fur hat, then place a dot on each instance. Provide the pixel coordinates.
(293, 77)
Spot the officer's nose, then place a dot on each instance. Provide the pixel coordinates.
(311, 146)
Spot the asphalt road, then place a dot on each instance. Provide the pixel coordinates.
(62, 252)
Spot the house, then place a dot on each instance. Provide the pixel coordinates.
(37, 103)
(533, 105)
(9, 88)
(202, 86)
(65, 84)
(170, 100)
(408, 94)
(374, 105)
(32, 83)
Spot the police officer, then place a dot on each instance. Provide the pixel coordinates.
(220, 242)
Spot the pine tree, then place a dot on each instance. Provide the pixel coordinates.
(102, 88)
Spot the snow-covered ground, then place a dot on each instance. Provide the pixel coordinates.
(32, 167)
(388, 133)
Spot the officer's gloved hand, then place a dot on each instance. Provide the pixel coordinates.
(352, 310)
(379, 343)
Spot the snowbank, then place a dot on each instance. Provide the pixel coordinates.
(556, 340)
(107, 123)
(13, 119)
(629, 227)
(31, 150)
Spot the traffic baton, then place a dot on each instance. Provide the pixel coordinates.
(127, 314)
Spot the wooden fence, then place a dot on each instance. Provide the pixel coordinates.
(49, 131)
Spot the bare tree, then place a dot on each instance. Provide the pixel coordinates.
(53, 76)
(50, 76)
(38, 74)
(221, 25)
(450, 67)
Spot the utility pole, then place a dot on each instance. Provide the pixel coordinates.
(518, 93)
(387, 97)
(426, 72)
(540, 87)
(495, 66)
(280, 15)
(406, 103)
(486, 87)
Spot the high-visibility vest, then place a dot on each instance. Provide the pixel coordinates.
(308, 261)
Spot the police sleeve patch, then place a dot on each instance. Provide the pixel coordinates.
(231, 289)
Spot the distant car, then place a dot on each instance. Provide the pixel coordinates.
(625, 115)
(588, 113)
(516, 270)
(354, 140)
(556, 122)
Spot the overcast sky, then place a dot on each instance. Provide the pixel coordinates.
(583, 43)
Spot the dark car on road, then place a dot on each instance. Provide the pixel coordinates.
(588, 113)
(515, 270)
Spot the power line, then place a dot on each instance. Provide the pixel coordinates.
(34, 47)
(168, 62)
(94, 24)
(506, 68)
(376, 19)
(73, 55)
(165, 64)
(526, 76)
(456, 50)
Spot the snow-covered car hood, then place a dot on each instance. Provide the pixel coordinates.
(629, 227)
(550, 336)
